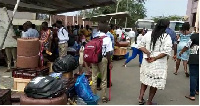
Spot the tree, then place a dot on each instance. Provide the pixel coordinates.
(136, 11)
(171, 18)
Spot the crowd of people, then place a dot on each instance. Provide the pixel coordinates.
(153, 47)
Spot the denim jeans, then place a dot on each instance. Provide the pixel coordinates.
(135, 52)
(194, 79)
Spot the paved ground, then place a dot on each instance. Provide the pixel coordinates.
(126, 86)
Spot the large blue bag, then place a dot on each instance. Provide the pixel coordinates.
(83, 89)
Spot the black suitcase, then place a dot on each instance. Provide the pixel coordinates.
(5, 97)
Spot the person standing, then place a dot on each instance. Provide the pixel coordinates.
(45, 37)
(102, 66)
(156, 46)
(63, 39)
(135, 50)
(30, 32)
(184, 38)
(173, 37)
(193, 45)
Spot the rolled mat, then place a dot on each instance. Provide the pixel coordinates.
(27, 62)
(28, 47)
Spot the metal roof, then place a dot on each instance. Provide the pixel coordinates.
(105, 17)
(54, 6)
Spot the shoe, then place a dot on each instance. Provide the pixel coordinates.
(187, 75)
(124, 65)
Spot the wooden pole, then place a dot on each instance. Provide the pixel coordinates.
(6, 33)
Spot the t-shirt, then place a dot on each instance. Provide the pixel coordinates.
(31, 33)
(193, 44)
(172, 35)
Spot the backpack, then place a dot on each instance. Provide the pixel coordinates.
(44, 87)
(71, 40)
(93, 50)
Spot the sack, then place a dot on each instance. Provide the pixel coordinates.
(65, 64)
(44, 87)
(71, 40)
(93, 50)
(83, 89)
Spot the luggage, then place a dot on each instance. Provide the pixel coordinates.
(69, 87)
(65, 64)
(5, 97)
(28, 47)
(61, 100)
(123, 44)
(30, 73)
(93, 50)
(27, 62)
(44, 87)
(15, 97)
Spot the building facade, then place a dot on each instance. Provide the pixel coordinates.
(192, 11)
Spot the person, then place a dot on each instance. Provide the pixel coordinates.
(173, 38)
(109, 82)
(112, 31)
(30, 32)
(135, 50)
(119, 32)
(76, 30)
(63, 38)
(45, 37)
(10, 46)
(102, 66)
(193, 45)
(194, 31)
(184, 38)
(87, 32)
(156, 46)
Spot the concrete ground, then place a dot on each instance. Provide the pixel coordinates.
(126, 85)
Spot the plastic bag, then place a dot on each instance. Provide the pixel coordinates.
(65, 64)
(83, 89)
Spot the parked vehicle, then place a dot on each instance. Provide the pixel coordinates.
(147, 24)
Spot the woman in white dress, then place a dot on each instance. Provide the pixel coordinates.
(156, 46)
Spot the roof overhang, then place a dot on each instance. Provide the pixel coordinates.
(106, 17)
(54, 6)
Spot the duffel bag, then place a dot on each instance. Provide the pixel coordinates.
(44, 87)
(65, 64)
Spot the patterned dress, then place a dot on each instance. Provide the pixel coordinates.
(154, 74)
(183, 42)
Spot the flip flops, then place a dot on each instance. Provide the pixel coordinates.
(142, 102)
(188, 97)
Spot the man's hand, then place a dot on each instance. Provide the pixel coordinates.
(174, 57)
(110, 66)
(180, 54)
(151, 59)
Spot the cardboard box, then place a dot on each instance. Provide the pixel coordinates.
(120, 51)
(68, 75)
(20, 84)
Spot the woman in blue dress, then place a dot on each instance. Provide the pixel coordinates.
(184, 38)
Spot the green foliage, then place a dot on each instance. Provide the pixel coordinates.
(171, 18)
(135, 7)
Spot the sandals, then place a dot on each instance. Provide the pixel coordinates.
(142, 102)
(188, 97)
(105, 100)
(187, 75)
(175, 73)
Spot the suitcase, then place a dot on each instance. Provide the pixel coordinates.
(61, 100)
(27, 62)
(70, 87)
(15, 97)
(123, 44)
(5, 97)
(28, 47)
(29, 73)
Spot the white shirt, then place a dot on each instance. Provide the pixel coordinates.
(33, 33)
(63, 35)
(131, 34)
(119, 31)
(139, 39)
(107, 43)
